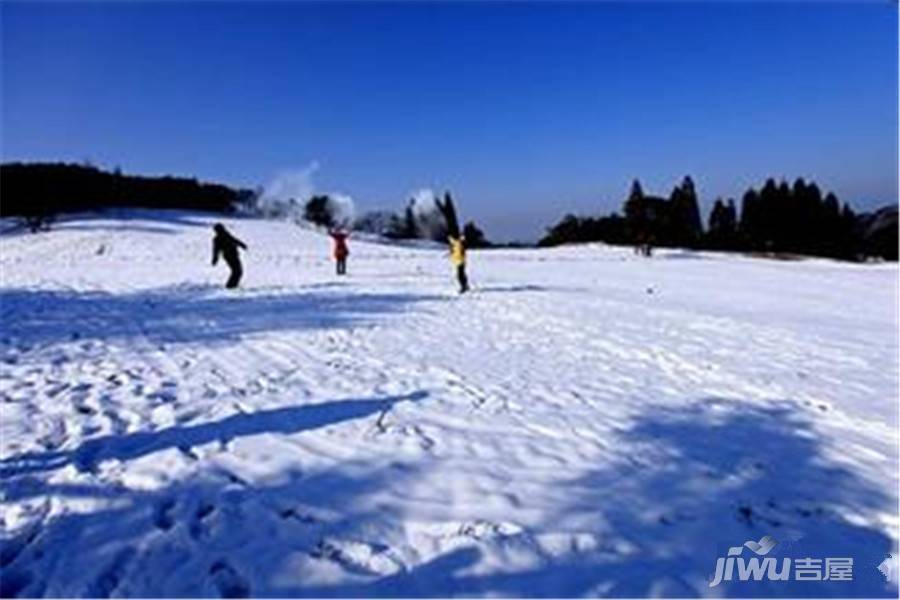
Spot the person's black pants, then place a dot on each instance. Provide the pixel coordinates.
(341, 264)
(236, 272)
(461, 277)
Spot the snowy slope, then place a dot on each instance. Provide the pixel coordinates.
(587, 422)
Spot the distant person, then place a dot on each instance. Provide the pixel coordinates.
(227, 245)
(644, 245)
(648, 246)
(341, 251)
(458, 258)
(639, 245)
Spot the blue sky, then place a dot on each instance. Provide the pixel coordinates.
(524, 111)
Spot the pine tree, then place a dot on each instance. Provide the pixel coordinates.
(687, 226)
(410, 231)
(449, 211)
(637, 192)
(716, 223)
(730, 219)
(636, 214)
(722, 225)
(317, 211)
(769, 198)
(475, 237)
(749, 225)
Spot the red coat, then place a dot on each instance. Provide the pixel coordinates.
(340, 245)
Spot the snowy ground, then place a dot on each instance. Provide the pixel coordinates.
(585, 423)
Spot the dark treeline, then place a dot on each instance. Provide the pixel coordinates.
(40, 190)
(779, 218)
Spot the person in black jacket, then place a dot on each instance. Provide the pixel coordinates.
(227, 245)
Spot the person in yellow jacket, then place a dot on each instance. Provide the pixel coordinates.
(458, 258)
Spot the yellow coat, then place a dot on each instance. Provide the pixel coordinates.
(457, 251)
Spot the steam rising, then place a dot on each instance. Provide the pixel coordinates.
(287, 193)
(429, 220)
(342, 209)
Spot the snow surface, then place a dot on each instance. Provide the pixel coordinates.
(586, 422)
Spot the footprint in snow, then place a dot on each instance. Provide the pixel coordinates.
(199, 528)
(56, 390)
(188, 452)
(358, 557)
(405, 432)
(487, 529)
(297, 515)
(84, 409)
(227, 581)
(478, 529)
(163, 518)
(109, 579)
(56, 436)
(167, 393)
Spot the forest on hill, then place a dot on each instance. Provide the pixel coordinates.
(41, 190)
(778, 218)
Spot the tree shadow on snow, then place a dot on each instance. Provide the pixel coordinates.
(113, 218)
(178, 315)
(160, 221)
(689, 483)
(703, 479)
(212, 535)
(287, 420)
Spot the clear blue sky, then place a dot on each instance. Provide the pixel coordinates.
(525, 111)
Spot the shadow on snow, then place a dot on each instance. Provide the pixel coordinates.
(160, 221)
(214, 535)
(183, 314)
(702, 478)
(288, 420)
(688, 483)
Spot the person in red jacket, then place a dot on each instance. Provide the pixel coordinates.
(341, 251)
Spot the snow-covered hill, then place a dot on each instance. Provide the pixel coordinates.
(586, 422)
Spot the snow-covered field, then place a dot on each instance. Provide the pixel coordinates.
(586, 422)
